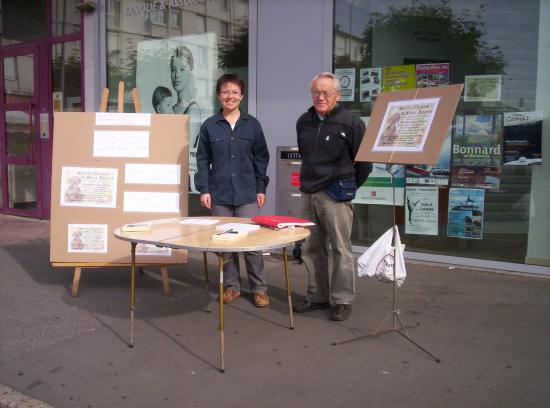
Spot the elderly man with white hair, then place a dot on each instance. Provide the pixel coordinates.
(329, 137)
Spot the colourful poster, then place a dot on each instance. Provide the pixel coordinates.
(399, 77)
(347, 81)
(370, 84)
(378, 188)
(178, 76)
(522, 138)
(465, 214)
(482, 88)
(433, 175)
(477, 152)
(428, 75)
(421, 210)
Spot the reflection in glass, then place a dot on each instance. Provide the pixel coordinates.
(19, 133)
(65, 17)
(21, 186)
(19, 78)
(23, 21)
(66, 73)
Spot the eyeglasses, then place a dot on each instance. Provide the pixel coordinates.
(233, 93)
(326, 94)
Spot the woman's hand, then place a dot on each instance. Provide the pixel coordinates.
(260, 199)
(206, 201)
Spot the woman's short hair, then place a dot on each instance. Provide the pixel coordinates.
(183, 52)
(233, 78)
(159, 94)
(330, 75)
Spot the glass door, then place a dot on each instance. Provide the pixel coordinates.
(20, 133)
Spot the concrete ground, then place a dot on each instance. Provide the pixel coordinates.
(491, 332)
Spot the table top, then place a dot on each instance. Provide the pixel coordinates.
(171, 233)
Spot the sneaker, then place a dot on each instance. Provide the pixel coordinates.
(309, 306)
(230, 294)
(340, 312)
(261, 299)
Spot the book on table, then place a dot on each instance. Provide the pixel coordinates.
(281, 221)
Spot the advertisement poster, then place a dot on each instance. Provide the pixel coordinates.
(522, 138)
(347, 80)
(87, 237)
(178, 76)
(421, 210)
(370, 84)
(406, 125)
(482, 88)
(88, 187)
(433, 175)
(478, 145)
(399, 77)
(465, 215)
(428, 75)
(477, 153)
(378, 188)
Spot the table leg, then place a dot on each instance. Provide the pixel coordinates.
(132, 291)
(206, 281)
(289, 297)
(222, 342)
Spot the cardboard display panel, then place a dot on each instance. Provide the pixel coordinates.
(112, 169)
(410, 126)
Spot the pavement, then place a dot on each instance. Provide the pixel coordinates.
(490, 331)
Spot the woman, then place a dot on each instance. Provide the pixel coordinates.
(181, 67)
(232, 160)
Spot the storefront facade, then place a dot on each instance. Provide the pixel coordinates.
(487, 210)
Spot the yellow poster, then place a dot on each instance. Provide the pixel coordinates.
(399, 77)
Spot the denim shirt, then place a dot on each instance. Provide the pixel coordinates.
(232, 163)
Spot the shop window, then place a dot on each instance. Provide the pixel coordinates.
(142, 52)
(385, 46)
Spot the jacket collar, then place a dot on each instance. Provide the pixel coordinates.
(332, 113)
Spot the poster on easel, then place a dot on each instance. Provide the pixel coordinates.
(409, 127)
(110, 169)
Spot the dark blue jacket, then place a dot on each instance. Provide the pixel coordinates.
(232, 164)
(329, 147)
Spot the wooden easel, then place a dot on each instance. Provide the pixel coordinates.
(89, 265)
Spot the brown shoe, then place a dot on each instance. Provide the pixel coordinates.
(230, 294)
(261, 299)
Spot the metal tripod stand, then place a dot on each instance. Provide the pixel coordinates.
(395, 313)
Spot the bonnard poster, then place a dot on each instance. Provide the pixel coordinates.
(477, 153)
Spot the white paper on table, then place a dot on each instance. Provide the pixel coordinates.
(151, 202)
(135, 173)
(121, 143)
(237, 226)
(199, 221)
(122, 119)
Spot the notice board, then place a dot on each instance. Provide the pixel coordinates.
(111, 169)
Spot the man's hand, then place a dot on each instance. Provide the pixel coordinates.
(206, 201)
(260, 199)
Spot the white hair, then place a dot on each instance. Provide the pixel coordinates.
(329, 75)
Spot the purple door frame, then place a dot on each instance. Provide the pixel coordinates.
(41, 156)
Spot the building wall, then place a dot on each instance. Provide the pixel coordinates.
(294, 43)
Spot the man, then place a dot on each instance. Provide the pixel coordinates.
(329, 137)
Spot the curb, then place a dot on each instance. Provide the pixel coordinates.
(10, 398)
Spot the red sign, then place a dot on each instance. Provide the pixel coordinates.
(295, 179)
